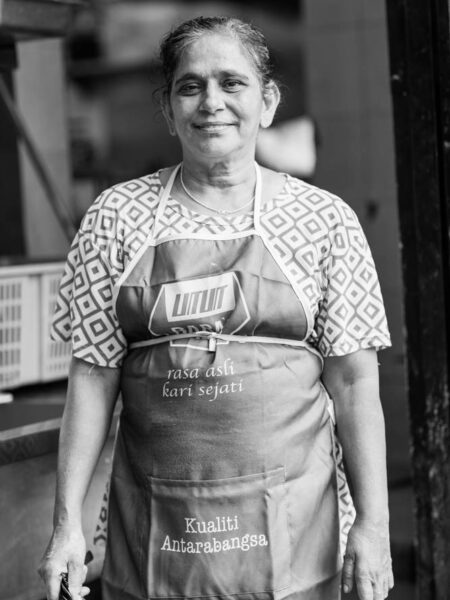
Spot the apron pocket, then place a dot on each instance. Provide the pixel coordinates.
(218, 537)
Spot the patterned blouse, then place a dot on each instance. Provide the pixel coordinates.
(317, 235)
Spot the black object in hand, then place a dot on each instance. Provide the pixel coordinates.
(64, 593)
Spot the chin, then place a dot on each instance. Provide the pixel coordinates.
(216, 150)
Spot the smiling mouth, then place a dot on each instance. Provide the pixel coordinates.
(213, 127)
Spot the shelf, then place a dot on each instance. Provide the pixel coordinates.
(27, 19)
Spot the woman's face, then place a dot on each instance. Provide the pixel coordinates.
(216, 104)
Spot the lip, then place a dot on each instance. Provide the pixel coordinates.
(213, 126)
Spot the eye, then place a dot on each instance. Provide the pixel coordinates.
(232, 85)
(189, 89)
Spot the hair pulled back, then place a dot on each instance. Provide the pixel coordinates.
(251, 38)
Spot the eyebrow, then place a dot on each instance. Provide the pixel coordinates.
(192, 75)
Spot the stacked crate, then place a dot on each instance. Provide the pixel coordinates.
(27, 298)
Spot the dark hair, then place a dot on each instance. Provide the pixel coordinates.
(251, 38)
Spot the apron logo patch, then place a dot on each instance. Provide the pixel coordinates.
(199, 298)
(212, 303)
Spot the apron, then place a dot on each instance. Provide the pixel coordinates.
(224, 477)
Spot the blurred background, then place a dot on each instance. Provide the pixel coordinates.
(78, 113)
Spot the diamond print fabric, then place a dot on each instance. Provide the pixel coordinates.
(114, 228)
(315, 234)
(325, 250)
(351, 314)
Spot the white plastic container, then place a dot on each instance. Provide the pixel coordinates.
(27, 297)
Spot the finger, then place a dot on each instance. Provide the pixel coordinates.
(83, 592)
(378, 590)
(347, 573)
(390, 579)
(53, 586)
(364, 588)
(52, 582)
(77, 575)
(385, 586)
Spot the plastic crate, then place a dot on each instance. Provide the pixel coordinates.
(19, 331)
(55, 356)
(27, 300)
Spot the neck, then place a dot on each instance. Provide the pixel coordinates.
(220, 175)
(221, 186)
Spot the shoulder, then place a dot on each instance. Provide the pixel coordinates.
(312, 207)
(128, 204)
(122, 197)
(332, 208)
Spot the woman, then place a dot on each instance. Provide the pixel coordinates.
(218, 296)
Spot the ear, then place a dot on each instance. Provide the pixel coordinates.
(271, 100)
(167, 112)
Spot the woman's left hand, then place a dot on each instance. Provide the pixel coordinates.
(367, 561)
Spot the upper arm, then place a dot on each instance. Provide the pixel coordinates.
(84, 313)
(341, 373)
(351, 314)
(93, 383)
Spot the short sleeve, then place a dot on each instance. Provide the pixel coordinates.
(351, 314)
(84, 312)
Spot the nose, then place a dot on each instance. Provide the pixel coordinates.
(212, 99)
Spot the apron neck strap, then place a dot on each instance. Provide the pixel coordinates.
(258, 197)
(168, 188)
(164, 196)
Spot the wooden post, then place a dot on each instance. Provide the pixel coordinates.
(419, 39)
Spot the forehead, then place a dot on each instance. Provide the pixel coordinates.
(215, 52)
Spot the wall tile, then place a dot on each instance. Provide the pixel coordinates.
(379, 140)
(339, 167)
(332, 72)
(373, 10)
(329, 13)
(373, 68)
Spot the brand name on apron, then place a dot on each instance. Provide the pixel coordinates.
(199, 298)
